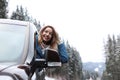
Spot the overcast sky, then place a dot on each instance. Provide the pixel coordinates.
(84, 23)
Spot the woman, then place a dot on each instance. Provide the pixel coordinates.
(48, 38)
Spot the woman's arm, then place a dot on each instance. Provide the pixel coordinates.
(63, 52)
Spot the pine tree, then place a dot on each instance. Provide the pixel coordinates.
(112, 52)
(3, 8)
(37, 24)
(19, 14)
(22, 14)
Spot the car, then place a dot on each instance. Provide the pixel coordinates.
(17, 50)
(16, 47)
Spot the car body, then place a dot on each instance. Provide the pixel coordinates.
(16, 48)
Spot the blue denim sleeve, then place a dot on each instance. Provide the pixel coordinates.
(38, 49)
(63, 53)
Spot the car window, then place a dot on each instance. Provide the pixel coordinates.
(11, 42)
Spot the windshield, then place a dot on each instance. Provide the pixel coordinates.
(11, 42)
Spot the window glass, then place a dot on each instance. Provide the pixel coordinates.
(12, 39)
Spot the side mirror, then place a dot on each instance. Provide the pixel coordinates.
(51, 60)
(40, 63)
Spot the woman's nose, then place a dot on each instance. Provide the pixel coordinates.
(47, 34)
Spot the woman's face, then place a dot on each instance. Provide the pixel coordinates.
(47, 34)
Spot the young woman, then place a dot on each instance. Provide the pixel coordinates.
(48, 38)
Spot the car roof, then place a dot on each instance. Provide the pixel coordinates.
(10, 21)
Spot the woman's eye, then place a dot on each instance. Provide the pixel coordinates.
(46, 31)
(50, 33)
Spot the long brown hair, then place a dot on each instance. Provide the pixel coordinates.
(55, 37)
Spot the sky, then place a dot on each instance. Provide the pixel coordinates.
(85, 24)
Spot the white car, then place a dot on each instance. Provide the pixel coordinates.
(16, 48)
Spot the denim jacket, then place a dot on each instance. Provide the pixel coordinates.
(61, 49)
